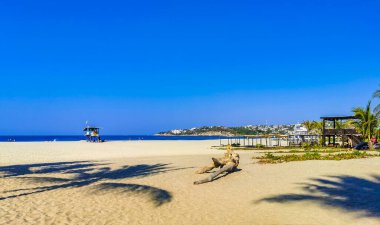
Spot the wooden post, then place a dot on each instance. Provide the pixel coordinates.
(287, 140)
(334, 132)
(323, 133)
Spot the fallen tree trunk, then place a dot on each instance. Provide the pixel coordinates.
(228, 168)
(216, 163)
(228, 164)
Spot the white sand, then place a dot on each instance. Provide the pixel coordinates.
(30, 152)
(150, 182)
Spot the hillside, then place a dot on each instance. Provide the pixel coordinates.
(230, 131)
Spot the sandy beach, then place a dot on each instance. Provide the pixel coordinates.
(151, 182)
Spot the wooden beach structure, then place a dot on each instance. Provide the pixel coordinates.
(330, 134)
(268, 140)
(264, 140)
(299, 139)
(92, 134)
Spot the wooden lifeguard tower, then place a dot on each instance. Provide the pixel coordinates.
(331, 134)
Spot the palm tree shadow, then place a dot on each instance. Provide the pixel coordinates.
(84, 174)
(62, 167)
(353, 194)
(156, 195)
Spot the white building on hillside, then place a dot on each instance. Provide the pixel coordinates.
(299, 130)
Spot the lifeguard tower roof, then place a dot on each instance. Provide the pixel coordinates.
(91, 128)
(332, 118)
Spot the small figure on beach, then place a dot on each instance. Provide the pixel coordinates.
(228, 163)
(350, 142)
(374, 140)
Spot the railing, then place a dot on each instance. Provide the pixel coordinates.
(340, 132)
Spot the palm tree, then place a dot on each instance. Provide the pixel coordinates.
(308, 125)
(318, 127)
(344, 125)
(367, 121)
(313, 127)
(376, 94)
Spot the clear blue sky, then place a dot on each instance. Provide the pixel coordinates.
(139, 67)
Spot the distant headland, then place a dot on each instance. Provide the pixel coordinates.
(230, 131)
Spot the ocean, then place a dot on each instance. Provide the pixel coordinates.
(32, 138)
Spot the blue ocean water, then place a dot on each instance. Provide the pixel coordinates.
(25, 138)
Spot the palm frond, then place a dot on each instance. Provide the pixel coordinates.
(376, 94)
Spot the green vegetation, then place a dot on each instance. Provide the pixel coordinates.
(233, 131)
(313, 127)
(367, 122)
(376, 94)
(290, 149)
(376, 111)
(272, 158)
(344, 125)
(259, 147)
(244, 131)
(305, 147)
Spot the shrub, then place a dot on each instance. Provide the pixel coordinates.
(307, 146)
(270, 158)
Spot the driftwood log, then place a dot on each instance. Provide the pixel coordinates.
(227, 164)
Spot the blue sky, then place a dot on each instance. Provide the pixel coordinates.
(140, 67)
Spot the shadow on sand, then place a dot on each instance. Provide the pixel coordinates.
(156, 195)
(85, 173)
(353, 194)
